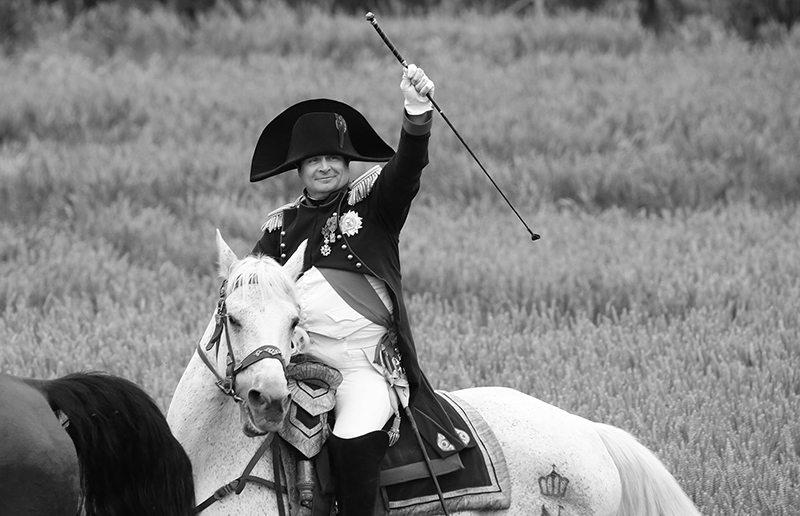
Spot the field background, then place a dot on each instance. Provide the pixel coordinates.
(663, 175)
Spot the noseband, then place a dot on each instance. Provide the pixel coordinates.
(227, 383)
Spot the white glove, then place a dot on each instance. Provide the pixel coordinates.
(416, 87)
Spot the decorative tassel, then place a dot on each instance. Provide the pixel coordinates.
(275, 217)
(394, 432)
(273, 222)
(362, 186)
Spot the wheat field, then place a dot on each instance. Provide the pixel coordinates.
(663, 176)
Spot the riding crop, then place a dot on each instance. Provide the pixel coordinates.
(371, 19)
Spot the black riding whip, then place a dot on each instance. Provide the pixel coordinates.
(371, 19)
(415, 429)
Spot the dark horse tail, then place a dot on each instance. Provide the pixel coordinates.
(129, 460)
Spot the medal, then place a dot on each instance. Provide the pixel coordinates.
(328, 234)
(350, 223)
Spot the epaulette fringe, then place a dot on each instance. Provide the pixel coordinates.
(275, 217)
(362, 186)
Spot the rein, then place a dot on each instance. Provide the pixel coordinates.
(238, 484)
(227, 384)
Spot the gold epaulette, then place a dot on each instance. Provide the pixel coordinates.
(275, 217)
(362, 186)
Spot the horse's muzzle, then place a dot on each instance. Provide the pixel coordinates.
(263, 413)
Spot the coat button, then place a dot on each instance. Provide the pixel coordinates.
(349, 256)
(358, 265)
(338, 237)
(283, 255)
(283, 244)
(344, 246)
(283, 233)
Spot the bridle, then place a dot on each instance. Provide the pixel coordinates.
(227, 383)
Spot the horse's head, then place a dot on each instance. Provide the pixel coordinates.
(257, 317)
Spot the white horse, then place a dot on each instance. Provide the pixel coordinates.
(224, 419)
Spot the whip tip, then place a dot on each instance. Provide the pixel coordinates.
(370, 17)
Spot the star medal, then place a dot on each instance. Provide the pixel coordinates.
(328, 234)
(350, 223)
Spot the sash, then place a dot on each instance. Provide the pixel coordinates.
(357, 292)
(355, 289)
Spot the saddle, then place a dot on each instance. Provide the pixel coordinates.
(476, 477)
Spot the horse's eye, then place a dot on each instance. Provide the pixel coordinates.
(295, 322)
(233, 320)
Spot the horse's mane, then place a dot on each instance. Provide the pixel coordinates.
(129, 460)
(265, 272)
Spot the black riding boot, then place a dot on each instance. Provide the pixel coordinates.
(356, 465)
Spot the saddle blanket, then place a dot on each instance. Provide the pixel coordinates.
(482, 483)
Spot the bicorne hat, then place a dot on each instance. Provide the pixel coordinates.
(315, 127)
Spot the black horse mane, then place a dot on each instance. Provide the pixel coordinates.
(130, 462)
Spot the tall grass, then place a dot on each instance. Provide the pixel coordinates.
(584, 109)
(663, 175)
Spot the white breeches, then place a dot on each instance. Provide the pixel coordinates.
(344, 339)
(363, 402)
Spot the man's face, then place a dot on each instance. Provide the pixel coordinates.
(322, 175)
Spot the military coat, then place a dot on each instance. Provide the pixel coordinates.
(358, 229)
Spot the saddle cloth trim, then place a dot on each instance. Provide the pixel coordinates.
(497, 495)
(417, 470)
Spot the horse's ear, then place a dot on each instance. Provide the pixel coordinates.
(294, 265)
(226, 256)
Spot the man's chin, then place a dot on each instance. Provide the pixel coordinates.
(323, 191)
(326, 186)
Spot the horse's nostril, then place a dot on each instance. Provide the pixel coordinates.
(255, 398)
(259, 402)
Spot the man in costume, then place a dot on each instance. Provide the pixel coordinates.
(350, 293)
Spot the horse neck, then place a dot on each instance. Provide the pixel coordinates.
(197, 403)
(207, 424)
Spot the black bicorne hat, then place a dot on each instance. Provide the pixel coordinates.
(315, 127)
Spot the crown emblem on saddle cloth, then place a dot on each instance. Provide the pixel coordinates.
(553, 485)
(313, 387)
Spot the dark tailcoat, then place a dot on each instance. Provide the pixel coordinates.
(381, 198)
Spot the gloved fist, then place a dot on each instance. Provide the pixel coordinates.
(416, 87)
